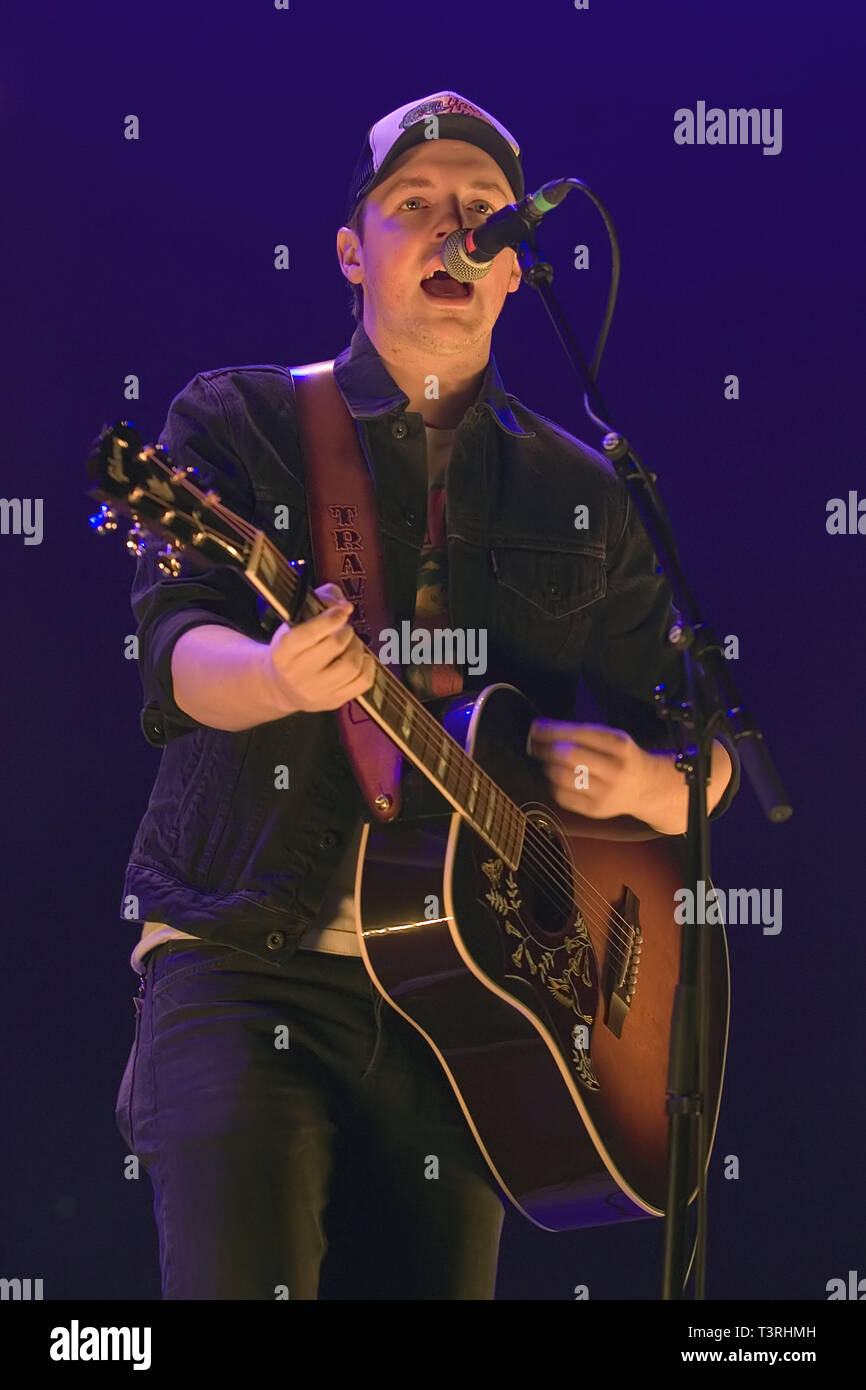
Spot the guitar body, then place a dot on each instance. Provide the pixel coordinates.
(519, 981)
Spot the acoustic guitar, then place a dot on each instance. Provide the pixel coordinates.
(540, 965)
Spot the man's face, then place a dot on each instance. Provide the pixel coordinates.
(432, 190)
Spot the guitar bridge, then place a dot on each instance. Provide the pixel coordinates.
(624, 943)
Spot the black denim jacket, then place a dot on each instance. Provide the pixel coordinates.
(221, 851)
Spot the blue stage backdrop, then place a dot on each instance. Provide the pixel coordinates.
(156, 158)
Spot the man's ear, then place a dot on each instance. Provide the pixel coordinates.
(350, 255)
(516, 275)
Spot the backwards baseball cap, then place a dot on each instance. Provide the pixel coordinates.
(455, 119)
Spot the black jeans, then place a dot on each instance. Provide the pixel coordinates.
(301, 1137)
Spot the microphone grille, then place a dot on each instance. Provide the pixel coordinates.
(457, 264)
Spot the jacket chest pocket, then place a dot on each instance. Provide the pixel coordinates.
(555, 583)
(545, 599)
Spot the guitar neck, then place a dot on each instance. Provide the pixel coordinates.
(146, 485)
(483, 805)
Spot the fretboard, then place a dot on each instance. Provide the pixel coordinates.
(484, 805)
(465, 785)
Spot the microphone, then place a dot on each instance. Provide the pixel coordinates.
(468, 254)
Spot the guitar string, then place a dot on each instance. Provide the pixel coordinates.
(622, 936)
(431, 733)
(556, 858)
(619, 946)
(512, 812)
(566, 884)
(620, 939)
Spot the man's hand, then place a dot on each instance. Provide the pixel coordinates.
(592, 769)
(600, 772)
(320, 664)
(226, 680)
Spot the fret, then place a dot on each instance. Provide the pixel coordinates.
(452, 776)
(457, 771)
(266, 570)
(285, 596)
(406, 723)
(377, 692)
(514, 847)
(442, 761)
(419, 745)
(498, 829)
(469, 791)
(437, 747)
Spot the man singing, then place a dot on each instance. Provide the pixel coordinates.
(297, 1170)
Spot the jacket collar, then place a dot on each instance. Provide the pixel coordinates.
(369, 390)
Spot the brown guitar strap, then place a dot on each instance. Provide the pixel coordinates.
(347, 551)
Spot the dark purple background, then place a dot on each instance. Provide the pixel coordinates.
(156, 258)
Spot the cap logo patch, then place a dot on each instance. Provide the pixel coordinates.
(441, 106)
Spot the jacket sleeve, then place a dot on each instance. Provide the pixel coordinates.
(197, 432)
(627, 653)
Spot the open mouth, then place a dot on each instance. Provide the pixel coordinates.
(441, 285)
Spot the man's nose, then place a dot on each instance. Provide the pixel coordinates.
(452, 217)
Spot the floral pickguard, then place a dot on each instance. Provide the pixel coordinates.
(564, 985)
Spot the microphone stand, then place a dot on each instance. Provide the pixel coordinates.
(712, 699)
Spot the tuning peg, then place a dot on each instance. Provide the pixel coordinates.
(167, 560)
(104, 520)
(136, 541)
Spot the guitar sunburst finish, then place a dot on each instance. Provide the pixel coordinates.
(514, 983)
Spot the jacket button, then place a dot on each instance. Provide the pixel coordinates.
(409, 516)
(399, 429)
(276, 941)
(554, 590)
(328, 840)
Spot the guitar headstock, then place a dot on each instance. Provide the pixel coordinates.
(141, 482)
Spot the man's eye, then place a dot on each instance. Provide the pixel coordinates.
(479, 202)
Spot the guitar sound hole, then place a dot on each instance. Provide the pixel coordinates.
(546, 878)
